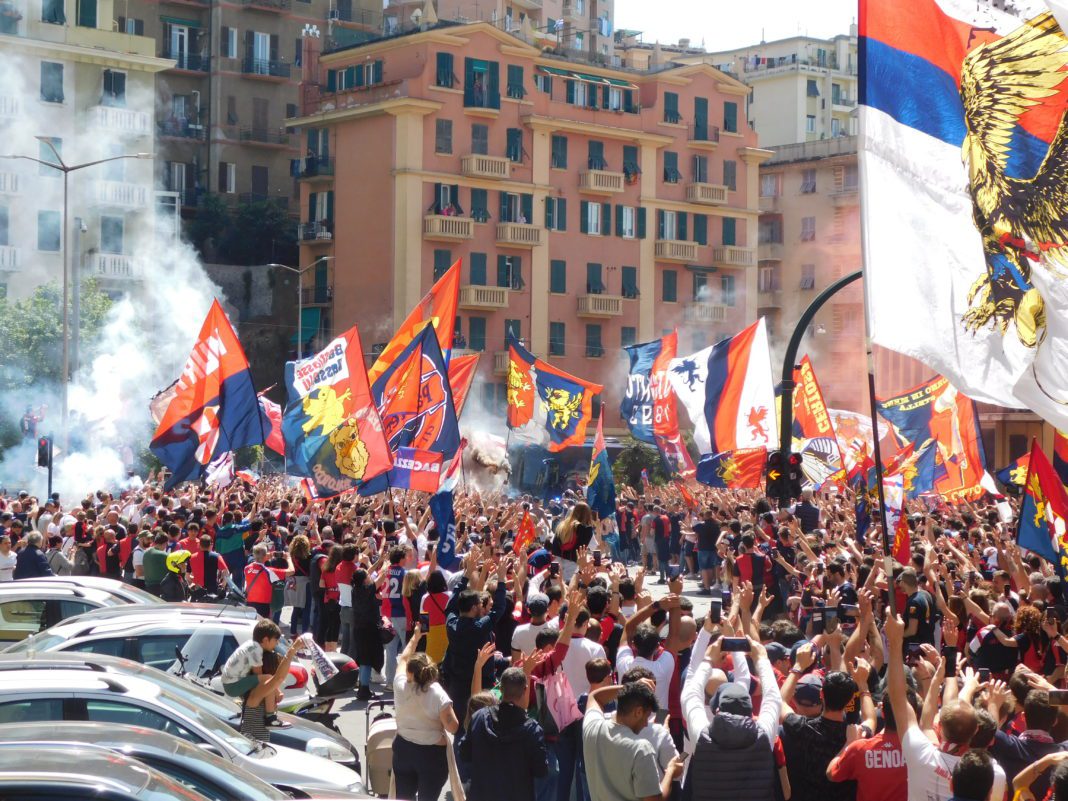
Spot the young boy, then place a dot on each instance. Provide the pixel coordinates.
(243, 671)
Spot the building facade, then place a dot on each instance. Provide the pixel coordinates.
(77, 87)
(592, 208)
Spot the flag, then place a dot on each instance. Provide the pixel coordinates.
(1060, 456)
(728, 393)
(520, 383)
(1044, 513)
(687, 496)
(157, 406)
(462, 371)
(1015, 475)
(962, 145)
(813, 432)
(942, 426)
(636, 408)
(451, 474)
(438, 308)
(250, 477)
(525, 535)
(441, 509)
(275, 439)
(666, 431)
(600, 488)
(645, 479)
(333, 434)
(416, 469)
(896, 520)
(214, 408)
(858, 482)
(221, 471)
(565, 405)
(740, 469)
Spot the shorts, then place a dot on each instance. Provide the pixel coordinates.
(242, 686)
(707, 560)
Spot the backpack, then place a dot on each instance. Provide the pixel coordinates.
(557, 707)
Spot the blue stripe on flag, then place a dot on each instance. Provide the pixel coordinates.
(718, 368)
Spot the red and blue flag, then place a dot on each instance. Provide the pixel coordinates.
(1044, 513)
(740, 469)
(1015, 475)
(600, 487)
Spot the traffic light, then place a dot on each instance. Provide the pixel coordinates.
(44, 451)
(794, 475)
(776, 476)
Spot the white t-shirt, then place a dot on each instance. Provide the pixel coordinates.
(248, 655)
(7, 566)
(663, 669)
(524, 637)
(930, 769)
(418, 711)
(43, 521)
(579, 652)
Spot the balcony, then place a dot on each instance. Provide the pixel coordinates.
(265, 68)
(316, 233)
(519, 235)
(181, 129)
(9, 183)
(9, 107)
(483, 298)
(600, 306)
(574, 10)
(190, 62)
(190, 198)
(707, 194)
(771, 251)
(120, 120)
(476, 166)
(601, 182)
(769, 299)
(733, 256)
(9, 257)
(699, 313)
(448, 229)
(317, 295)
(500, 362)
(673, 250)
(121, 195)
(840, 103)
(845, 196)
(770, 203)
(112, 265)
(317, 167)
(278, 6)
(703, 137)
(263, 136)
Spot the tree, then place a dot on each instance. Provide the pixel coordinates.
(260, 232)
(632, 459)
(207, 228)
(31, 333)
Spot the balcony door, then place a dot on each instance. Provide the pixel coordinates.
(180, 45)
(261, 53)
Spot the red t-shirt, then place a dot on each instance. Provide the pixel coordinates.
(196, 567)
(330, 590)
(258, 589)
(876, 764)
(343, 572)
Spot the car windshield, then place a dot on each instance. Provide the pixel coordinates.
(218, 705)
(209, 722)
(38, 642)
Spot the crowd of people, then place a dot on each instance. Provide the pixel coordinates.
(547, 669)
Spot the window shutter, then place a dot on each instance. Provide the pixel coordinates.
(221, 180)
(455, 197)
(494, 85)
(331, 80)
(526, 203)
(249, 37)
(478, 269)
(378, 67)
(504, 206)
(730, 117)
(700, 229)
(274, 47)
(561, 214)
(549, 208)
(659, 223)
(584, 216)
(503, 279)
(641, 222)
(628, 100)
(604, 96)
(354, 76)
(591, 95)
(681, 225)
(570, 91)
(330, 206)
(606, 219)
(312, 202)
(469, 81)
(224, 42)
(729, 231)
(619, 221)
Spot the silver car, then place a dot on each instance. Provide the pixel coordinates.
(27, 608)
(32, 695)
(120, 589)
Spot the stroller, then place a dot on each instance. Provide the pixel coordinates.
(378, 756)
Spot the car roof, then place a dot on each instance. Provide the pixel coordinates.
(200, 610)
(142, 624)
(114, 586)
(28, 679)
(14, 590)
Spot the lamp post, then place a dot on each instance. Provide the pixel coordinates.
(67, 169)
(300, 297)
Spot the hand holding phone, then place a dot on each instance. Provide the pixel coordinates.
(715, 612)
(734, 645)
(984, 675)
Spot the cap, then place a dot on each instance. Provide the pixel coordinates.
(538, 603)
(809, 690)
(733, 698)
(776, 651)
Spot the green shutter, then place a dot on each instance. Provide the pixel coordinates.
(670, 287)
(504, 207)
(730, 117)
(606, 219)
(442, 262)
(478, 269)
(628, 101)
(630, 282)
(659, 223)
(494, 91)
(469, 82)
(350, 77)
(700, 229)
(312, 198)
(561, 214)
(377, 69)
(549, 208)
(558, 276)
(503, 277)
(331, 80)
(526, 205)
(477, 340)
(641, 222)
(619, 220)
(584, 216)
(680, 226)
(729, 231)
(570, 91)
(444, 76)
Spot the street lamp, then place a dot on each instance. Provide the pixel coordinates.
(67, 169)
(300, 297)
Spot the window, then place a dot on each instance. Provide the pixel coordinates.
(513, 328)
(374, 72)
(477, 328)
(516, 88)
(228, 44)
(730, 174)
(630, 282)
(594, 279)
(544, 83)
(808, 181)
(516, 208)
(628, 335)
(768, 279)
(445, 76)
(19, 619)
(594, 348)
(556, 213)
(514, 144)
(726, 283)
(700, 229)
(671, 167)
(669, 292)
(556, 339)
(595, 159)
(158, 650)
(850, 178)
(770, 232)
(32, 710)
(613, 98)
(5, 230)
(114, 89)
(700, 169)
(810, 123)
(480, 139)
(730, 117)
(700, 119)
(111, 647)
(808, 229)
(131, 715)
(227, 177)
(813, 88)
(111, 234)
(671, 108)
(510, 272)
(559, 152)
(87, 13)
(481, 83)
(442, 262)
(626, 222)
(808, 276)
(48, 231)
(443, 136)
(47, 150)
(630, 162)
(480, 205)
(477, 263)
(591, 218)
(131, 26)
(700, 287)
(52, 11)
(836, 127)
(51, 82)
(671, 225)
(558, 277)
(577, 93)
(771, 185)
(730, 231)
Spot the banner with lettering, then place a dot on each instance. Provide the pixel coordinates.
(813, 434)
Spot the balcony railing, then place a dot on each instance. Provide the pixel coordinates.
(601, 182)
(112, 265)
(188, 197)
(697, 313)
(317, 167)
(265, 67)
(121, 194)
(263, 136)
(9, 106)
(9, 183)
(769, 298)
(500, 362)
(846, 195)
(9, 257)
(771, 251)
(266, 5)
(193, 62)
(734, 256)
(674, 250)
(600, 306)
(477, 166)
(480, 298)
(181, 129)
(700, 135)
(519, 235)
(448, 229)
(311, 232)
(120, 120)
(317, 295)
(707, 194)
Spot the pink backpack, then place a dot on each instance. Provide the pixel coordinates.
(560, 699)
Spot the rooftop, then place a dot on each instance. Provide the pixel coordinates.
(813, 151)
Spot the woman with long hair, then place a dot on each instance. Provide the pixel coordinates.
(433, 606)
(1033, 641)
(300, 556)
(573, 532)
(366, 641)
(331, 599)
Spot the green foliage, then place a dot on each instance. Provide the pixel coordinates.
(212, 219)
(248, 457)
(629, 462)
(31, 333)
(259, 233)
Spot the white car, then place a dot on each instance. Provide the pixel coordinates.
(120, 589)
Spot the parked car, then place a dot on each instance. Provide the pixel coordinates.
(301, 735)
(32, 695)
(120, 589)
(82, 773)
(27, 608)
(213, 777)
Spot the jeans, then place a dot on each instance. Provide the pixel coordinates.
(567, 756)
(365, 675)
(420, 771)
(395, 647)
(545, 787)
(300, 619)
(345, 642)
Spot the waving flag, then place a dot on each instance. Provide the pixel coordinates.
(1060, 456)
(520, 383)
(565, 405)
(728, 393)
(437, 308)
(636, 407)
(741, 469)
(275, 439)
(942, 426)
(416, 469)
(214, 408)
(1015, 475)
(1044, 513)
(600, 487)
(444, 515)
(333, 433)
(964, 144)
(813, 434)
(666, 431)
(896, 520)
(462, 371)
(525, 535)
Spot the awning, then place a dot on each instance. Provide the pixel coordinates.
(621, 84)
(309, 324)
(189, 23)
(582, 76)
(555, 71)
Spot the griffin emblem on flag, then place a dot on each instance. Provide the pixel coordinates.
(518, 383)
(563, 406)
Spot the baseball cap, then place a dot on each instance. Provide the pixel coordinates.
(538, 603)
(809, 690)
(733, 698)
(776, 651)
